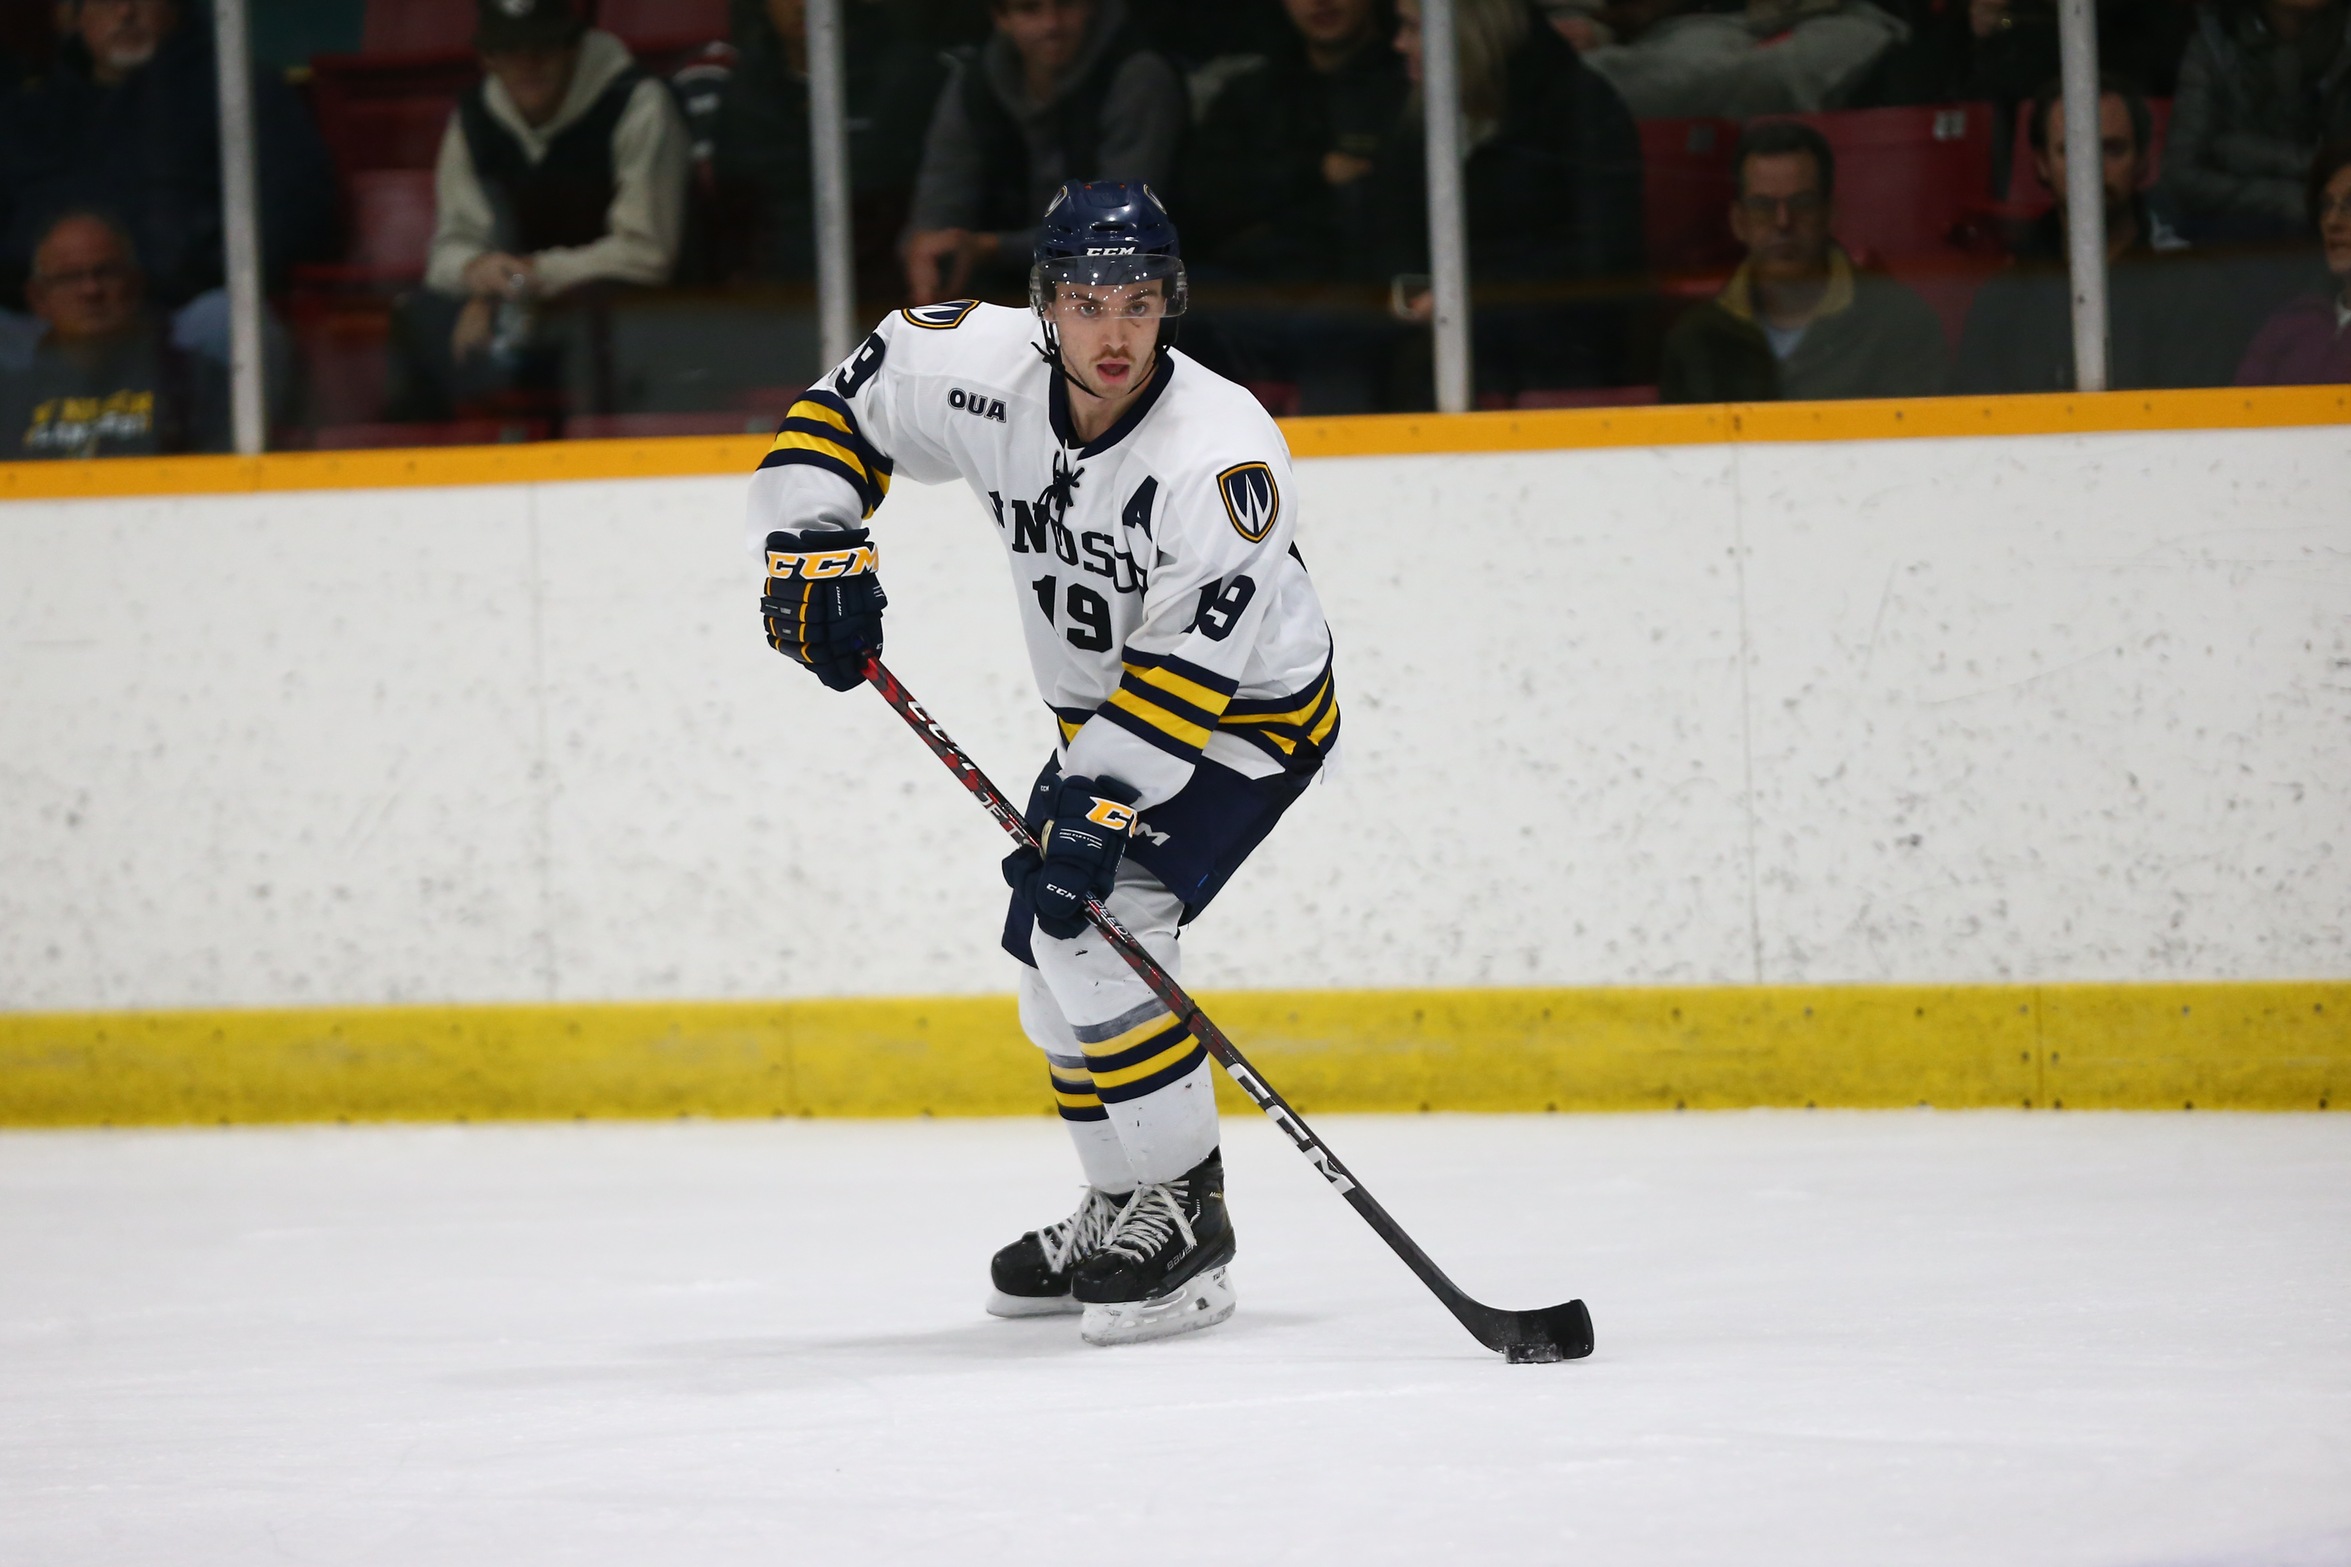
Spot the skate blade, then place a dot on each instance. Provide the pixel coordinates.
(1199, 1302)
(1003, 1305)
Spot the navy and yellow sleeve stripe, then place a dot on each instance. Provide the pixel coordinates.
(1169, 702)
(1296, 730)
(819, 431)
(1137, 1054)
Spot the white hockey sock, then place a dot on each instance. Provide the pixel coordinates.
(1170, 1129)
(1101, 1155)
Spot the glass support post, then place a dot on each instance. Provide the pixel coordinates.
(1440, 79)
(240, 222)
(2085, 191)
(828, 153)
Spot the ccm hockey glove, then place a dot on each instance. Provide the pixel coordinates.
(823, 605)
(1092, 820)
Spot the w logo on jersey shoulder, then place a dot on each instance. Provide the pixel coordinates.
(1250, 499)
(940, 317)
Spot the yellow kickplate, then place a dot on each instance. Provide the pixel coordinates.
(2221, 1046)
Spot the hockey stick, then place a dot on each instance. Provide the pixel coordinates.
(1553, 1333)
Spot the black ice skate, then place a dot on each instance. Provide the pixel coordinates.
(1161, 1269)
(1031, 1276)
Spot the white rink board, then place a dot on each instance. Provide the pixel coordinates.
(2036, 708)
(1830, 1340)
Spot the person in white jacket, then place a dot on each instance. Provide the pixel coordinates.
(564, 167)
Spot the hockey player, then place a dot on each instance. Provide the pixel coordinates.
(1146, 508)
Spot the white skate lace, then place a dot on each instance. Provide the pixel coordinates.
(1079, 1234)
(1152, 1215)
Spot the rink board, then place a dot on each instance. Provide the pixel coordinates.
(2239, 1047)
(1967, 751)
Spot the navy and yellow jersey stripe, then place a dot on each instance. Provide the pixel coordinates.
(1138, 1053)
(1073, 1090)
(1169, 702)
(820, 432)
(1296, 730)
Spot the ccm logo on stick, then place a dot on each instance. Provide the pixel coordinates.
(978, 404)
(1280, 1116)
(820, 564)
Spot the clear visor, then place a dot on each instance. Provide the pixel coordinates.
(1103, 288)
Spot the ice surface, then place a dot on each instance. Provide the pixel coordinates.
(1824, 1338)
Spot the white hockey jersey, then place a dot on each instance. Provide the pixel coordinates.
(1167, 613)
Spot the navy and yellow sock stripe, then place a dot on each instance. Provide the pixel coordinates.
(1169, 702)
(820, 432)
(1281, 726)
(1073, 1091)
(1139, 1053)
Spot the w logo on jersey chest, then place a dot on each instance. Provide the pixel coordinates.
(941, 317)
(1250, 499)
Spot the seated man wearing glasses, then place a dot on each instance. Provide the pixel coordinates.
(2175, 319)
(124, 120)
(1797, 320)
(102, 379)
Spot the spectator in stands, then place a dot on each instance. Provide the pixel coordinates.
(1274, 185)
(1552, 183)
(2263, 84)
(562, 175)
(1551, 194)
(761, 153)
(2003, 50)
(1797, 320)
(1278, 187)
(2165, 329)
(1766, 57)
(125, 121)
(1064, 89)
(103, 379)
(2308, 342)
(1583, 23)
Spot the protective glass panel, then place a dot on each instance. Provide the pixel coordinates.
(610, 231)
(562, 231)
(1833, 199)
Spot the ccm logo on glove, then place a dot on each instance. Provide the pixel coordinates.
(816, 565)
(824, 601)
(1084, 838)
(1111, 814)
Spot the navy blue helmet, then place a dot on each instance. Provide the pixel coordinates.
(1107, 232)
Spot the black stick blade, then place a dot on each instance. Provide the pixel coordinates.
(1535, 1338)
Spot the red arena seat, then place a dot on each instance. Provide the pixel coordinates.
(663, 24)
(392, 133)
(391, 222)
(342, 348)
(1686, 174)
(417, 27)
(1906, 178)
(387, 113)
